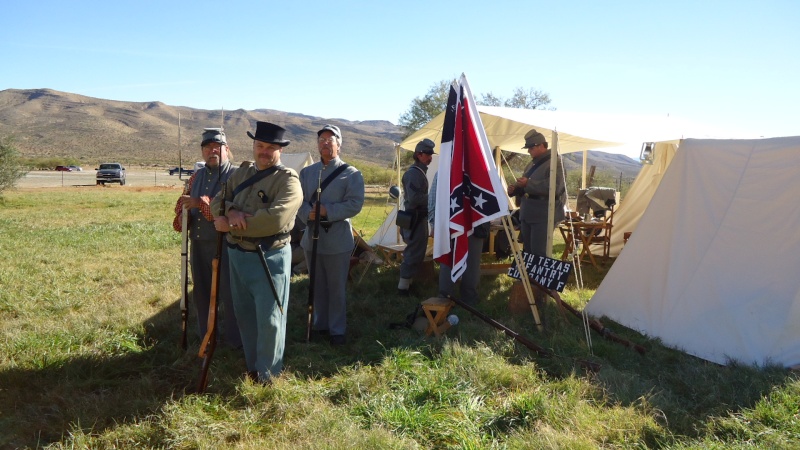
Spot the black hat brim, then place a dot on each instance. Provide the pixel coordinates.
(282, 143)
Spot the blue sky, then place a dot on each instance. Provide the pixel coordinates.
(728, 64)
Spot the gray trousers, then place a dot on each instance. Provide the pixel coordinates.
(262, 325)
(330, 281)
(202, 254)
(469, 279)
(416, 241)
(534, 237)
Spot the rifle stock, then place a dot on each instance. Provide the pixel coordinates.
(210, 340)
(312, 269)
(184, 275)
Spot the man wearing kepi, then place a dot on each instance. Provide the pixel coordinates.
(341, 199)
(261, 202)
(415, 200)
(197, 194)
(531, 193)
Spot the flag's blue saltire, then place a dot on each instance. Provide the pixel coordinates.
(472, 193)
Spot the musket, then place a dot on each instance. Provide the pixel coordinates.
(184, 274)
(312, 269)
(210, 340)
(541, 351)
(594, 324)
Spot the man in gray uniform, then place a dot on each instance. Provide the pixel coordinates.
(415, 199)
(260, 205)
(197, 194)
(342, 198)
(472, 274)
(531, 193)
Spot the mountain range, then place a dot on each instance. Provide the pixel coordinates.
(51, 124)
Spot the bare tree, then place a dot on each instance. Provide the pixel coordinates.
(490, 100)
(530, 99)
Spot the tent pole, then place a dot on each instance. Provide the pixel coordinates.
(551, 210)
(583, 170)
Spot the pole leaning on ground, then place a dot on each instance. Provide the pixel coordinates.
(312, 268)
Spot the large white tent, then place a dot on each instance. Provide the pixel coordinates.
(712, 267)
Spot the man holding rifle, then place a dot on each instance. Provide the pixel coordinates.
(261, 202)
(198, 192)
(341, 197)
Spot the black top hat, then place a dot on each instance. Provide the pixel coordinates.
(269, 133)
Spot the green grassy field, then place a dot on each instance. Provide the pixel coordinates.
(89, 358)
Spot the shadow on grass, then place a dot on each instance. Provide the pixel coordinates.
(41, 406)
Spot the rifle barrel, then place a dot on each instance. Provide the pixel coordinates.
(312, 268)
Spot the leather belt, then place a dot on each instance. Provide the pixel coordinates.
(265, 243)
(536, 197)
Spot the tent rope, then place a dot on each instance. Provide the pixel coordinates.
(577, 264)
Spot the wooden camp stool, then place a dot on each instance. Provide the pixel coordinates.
(436, 310)
(391, 252)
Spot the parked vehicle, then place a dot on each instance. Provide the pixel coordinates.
(110, 173)
(197, 166)
(63, 169)
(76, 168)
(183, 171)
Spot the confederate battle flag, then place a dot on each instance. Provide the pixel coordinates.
(472, 193)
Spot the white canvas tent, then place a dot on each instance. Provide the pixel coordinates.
(712, 267)
(506, 128)
(630, 210)
(296, 161)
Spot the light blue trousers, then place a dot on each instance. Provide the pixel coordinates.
(261, 324)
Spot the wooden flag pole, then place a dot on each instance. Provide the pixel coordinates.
(526, 282)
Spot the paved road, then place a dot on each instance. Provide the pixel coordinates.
(139, 178)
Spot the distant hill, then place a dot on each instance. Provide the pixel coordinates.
(47, 123)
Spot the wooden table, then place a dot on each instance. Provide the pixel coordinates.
(586, 232)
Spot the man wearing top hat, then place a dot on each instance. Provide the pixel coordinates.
(341, 199)
(202, 186)
(260, 201)
(415, 200)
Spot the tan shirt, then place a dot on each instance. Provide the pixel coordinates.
(273, 202)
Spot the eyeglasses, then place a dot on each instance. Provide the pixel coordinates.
(329, 140)
(534, 145)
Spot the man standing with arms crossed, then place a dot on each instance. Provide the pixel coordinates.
(197, 194)
(341, 199)
(261, 202)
